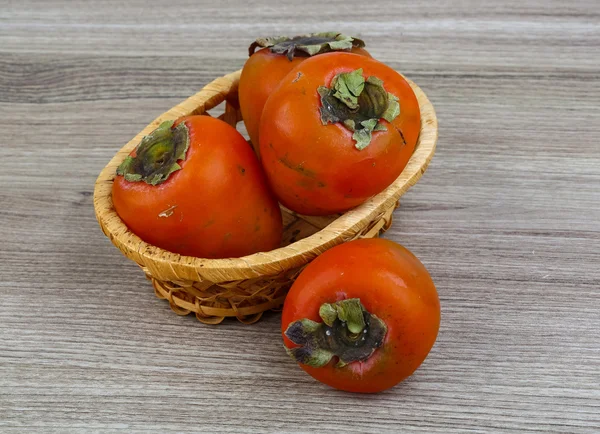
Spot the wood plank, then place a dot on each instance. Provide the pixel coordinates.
(507, 220)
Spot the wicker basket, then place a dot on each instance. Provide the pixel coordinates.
(246, 287)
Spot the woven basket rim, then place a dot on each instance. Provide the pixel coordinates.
(263, 263)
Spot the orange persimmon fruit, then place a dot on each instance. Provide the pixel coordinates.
(361, 317)
(195, 187)
(337, 130)
(277, 56)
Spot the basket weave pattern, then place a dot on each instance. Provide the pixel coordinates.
(246, 287)
(248, 298)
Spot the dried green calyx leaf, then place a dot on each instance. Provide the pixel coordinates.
(351, 312)
(157, 155)
(359, 104)
(393, 108)
(348, 86)
(307, 45)
(364, 135)
(348, 332)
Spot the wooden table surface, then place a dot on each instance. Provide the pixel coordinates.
(506, 219)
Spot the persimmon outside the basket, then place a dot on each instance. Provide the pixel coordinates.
(246, 287)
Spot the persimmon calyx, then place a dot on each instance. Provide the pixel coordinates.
(348, 332)
(359, 104)
(157, 155)
(307, 45)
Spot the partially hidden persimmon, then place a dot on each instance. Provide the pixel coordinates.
(195, 187)
(274, 59)
(338, 129)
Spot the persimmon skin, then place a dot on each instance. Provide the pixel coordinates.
(261, 74)
(392, 284)
(315, 169)
(217, 206)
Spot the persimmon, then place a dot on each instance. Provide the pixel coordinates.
(361, 317)
(195, 187)
(338, 129)
(275, 57)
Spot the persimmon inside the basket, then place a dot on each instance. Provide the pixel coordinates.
(194, 187)
(222, 225)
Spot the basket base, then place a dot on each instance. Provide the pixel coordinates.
(248, 299)
(218, 302)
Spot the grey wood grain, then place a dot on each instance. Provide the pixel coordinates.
(507, 220)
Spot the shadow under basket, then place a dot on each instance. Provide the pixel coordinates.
(246, 287)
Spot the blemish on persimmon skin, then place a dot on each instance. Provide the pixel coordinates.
(297, 77)
(209, 223)
(168, 212)
(401, 135)
(297, 167)
(257, 224)
(242, 170)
